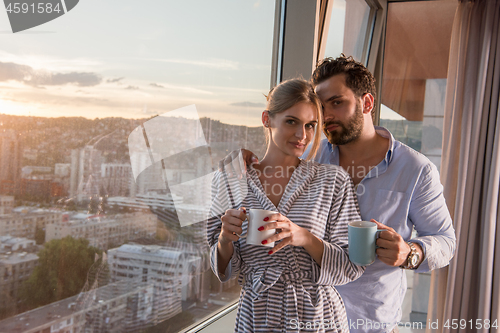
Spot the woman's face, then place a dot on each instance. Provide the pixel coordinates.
(292, 130)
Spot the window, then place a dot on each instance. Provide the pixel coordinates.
(412, 98)
(79, 85)
(415, 70)
(350, 29)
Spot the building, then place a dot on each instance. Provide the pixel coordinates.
(104, 231)
(149, 200)
(62, 169)
(85, 173)
(115, 308)
(23, 221)
(6, 204)
(173, 274)
(10, 161)
(36, 189)
(14, 244)
(152, 177)
(15, 268)
(61, 186)
(116, 179)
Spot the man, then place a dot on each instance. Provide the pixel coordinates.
(395, 185)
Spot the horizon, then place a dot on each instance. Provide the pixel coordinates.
(92, 62)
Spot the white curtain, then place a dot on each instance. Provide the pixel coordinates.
(466, 294)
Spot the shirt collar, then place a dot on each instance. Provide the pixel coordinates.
(384, 132)
(382, 166)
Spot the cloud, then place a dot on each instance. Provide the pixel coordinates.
(132, 88)
(221, 64)
(156, 85)
(43, 98)
(249, 104)
(115, 80)
(51, 63)
(10, 71)
(79, 79)
(183, 89)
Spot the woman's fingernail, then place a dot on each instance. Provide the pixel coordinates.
(244, 211)
(266, 218)
(270, 252)
(260, 228)
(264, 241)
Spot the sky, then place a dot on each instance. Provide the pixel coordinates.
(138, 59)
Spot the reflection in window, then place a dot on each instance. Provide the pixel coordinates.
(360, 18)
(413, 90)
(72, 92)
(335, 37)
(414, 77)
(350, 30)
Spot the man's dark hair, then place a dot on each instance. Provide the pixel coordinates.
(358, 78)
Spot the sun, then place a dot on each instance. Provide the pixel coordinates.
(13, 108)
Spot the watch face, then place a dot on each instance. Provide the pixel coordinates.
(414, 260)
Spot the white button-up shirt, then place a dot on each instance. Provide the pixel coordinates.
(403, 191)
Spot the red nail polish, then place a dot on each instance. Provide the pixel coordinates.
(260, 228)
(264, 241)
(244, 211)
(270, 252)
(266, 218)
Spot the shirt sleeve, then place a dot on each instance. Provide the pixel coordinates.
(220, 198)
(336, 268)
(430, 216)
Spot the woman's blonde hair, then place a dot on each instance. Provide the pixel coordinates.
(291, 92)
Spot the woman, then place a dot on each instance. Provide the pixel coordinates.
(291, 286)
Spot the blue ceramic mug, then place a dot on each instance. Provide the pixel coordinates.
(362, 238)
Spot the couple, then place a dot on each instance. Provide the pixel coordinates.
(294, 284)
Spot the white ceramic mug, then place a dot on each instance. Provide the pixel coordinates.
(255, 218)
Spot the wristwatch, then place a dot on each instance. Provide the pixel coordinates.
(413, 258)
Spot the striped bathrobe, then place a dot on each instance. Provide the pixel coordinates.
(288, 291)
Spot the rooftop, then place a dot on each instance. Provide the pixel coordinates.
(55, 312)
(149, 250)
(16, 257)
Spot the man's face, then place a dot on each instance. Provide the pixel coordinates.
(342, 111)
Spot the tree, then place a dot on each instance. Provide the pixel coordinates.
(39, 235)
(62, 271)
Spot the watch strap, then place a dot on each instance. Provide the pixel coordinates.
(413, 253)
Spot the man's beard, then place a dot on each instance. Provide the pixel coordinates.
(349, 132)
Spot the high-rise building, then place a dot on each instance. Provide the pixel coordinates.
(151, 179)
(85, 179)
(116, 179)
(10, 161)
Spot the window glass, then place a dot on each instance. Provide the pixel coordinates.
(104, 114)
(351, 25)
(335, 37)
(358, 32)
(413, 89)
